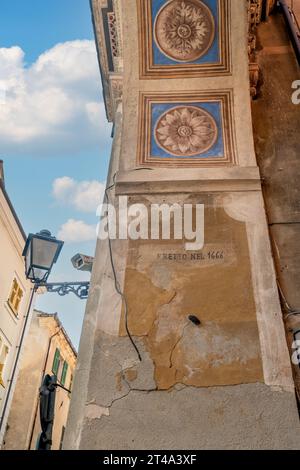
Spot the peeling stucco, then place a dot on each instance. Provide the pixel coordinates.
(225, 348)
(95, 411)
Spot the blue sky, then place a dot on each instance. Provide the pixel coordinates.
(54, 138)
(37, 25)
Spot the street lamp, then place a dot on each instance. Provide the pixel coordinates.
(47, 410)
(41, 253)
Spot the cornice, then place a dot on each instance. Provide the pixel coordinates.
(107, 20)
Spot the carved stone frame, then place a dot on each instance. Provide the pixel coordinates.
(150, 70)
(225, 97)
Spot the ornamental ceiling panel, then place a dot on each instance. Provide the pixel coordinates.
(186, 129)
(183, 37)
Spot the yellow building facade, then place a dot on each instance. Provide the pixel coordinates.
(47, 350)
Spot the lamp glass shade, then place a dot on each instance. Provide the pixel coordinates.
(41, 252)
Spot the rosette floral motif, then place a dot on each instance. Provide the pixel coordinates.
(186, 131)
(184, 30)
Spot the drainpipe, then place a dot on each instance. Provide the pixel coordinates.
(19, 348)
(43, 374)
(293, 32)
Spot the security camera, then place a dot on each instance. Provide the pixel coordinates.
(82, 262)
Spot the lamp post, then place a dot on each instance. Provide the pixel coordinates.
(41, 252)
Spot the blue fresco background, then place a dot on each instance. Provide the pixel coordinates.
(214, 108)
(212, 55)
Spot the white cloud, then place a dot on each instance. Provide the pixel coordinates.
(62, 187)
(84, 196)
(75, 231)
(54, 105)
(89, 195)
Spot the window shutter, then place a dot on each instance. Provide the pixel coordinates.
(64, 373)
(15, 297)
(18, 299)
(13, 292)
(71, 383)
(55, 365)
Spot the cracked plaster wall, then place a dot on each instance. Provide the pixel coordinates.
(251, 416)
(227, 382)
(161, 294)
(176, 393)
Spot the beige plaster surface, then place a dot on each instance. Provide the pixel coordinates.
(243, 417)
(226, 383)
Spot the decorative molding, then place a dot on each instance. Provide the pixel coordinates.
(254, 75)
(184, 38)
(119, 35)
(186, 129)
(116, 86)
(258, 10)
(109, 41)
(111, 17)
(254, 18)
(184, 31)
